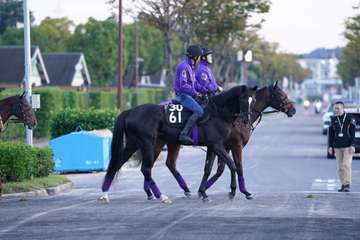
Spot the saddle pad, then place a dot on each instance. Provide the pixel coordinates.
(176, 115)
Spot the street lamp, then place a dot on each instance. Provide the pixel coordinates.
(244, 58)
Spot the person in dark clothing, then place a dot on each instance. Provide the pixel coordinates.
(341, 142)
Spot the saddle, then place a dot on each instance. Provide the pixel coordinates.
(176, 115)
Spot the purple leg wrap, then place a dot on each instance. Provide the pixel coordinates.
(106, 185)
(180, 181)
(210, 182)
(242, 184)
(155, 189)
(195, 134)
(146, 186)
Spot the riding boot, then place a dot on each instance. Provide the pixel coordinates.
(184, 135)
(342, 188)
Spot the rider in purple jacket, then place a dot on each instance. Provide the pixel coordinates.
(186, 92)
(205, 79)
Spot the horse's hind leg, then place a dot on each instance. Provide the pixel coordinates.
(147, 151)
(173, 153)
(129, 150)
(158, 148)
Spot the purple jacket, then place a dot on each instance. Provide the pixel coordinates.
(205, 79)
(185, 78)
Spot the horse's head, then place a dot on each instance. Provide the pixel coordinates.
(23, 111)
(280, 101)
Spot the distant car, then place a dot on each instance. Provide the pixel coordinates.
(355, 113)
(328, 112)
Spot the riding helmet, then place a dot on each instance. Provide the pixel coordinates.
(193, 51)
(206, 51)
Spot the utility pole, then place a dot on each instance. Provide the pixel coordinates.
(136, 52)
(27, 53)
(120, 59)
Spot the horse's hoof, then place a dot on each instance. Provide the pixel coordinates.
(206, 199)
(249, 197)
(104, 199)
(165, 199)
(187, 194)
(231, 196)
(150, 197)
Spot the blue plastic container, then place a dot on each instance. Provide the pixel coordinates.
(81, 152)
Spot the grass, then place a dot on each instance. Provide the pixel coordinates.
(34, 184)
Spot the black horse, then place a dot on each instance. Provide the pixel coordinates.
(144, 124)
(272, 96)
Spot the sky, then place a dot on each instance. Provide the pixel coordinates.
(299, 26)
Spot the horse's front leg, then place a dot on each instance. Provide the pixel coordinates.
(220, 169)
(221, 152)
(210, 157)
(237, 156)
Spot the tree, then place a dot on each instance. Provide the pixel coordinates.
(51, 35)
(98, 41)
(57, 31)
(349, 64)
(150, 45)
(11, 12)
(274, 65)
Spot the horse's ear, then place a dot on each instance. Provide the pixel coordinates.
(276, 83)
(255, 88)
(22, 95)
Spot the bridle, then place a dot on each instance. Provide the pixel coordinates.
(284, 103)
(283, 107)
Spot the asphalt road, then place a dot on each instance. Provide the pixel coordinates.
(292, 182)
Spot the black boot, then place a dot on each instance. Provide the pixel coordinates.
(184, 135)
(342, 188)
(347, 188)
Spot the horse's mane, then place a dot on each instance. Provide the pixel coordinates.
(221, 99)
(9, 98)
(227, 103)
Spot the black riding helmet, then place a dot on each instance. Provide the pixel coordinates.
(205, 51)
(194, 51)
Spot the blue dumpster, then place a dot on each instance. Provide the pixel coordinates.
(82, 151)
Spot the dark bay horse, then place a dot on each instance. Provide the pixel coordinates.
(19, 107)
(270, 96)
(144, 125)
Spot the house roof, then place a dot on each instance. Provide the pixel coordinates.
(61, 67)
(12, 63)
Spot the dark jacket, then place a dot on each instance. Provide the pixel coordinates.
(348, 132)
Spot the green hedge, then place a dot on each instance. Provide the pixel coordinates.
(70, 120)
(20, 162)
(54, 100)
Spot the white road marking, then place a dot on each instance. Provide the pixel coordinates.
(37, 215)
(325, 184)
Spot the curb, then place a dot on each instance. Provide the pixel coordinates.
(44, 192)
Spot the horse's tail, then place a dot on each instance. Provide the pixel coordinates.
(116, 150)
